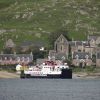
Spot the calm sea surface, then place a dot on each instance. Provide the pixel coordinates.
(49, 89)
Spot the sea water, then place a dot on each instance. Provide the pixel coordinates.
(49, 89)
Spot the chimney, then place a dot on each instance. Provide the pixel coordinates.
(31, 54)
(72, 55)
(72, 39)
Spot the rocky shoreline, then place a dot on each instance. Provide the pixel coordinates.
(84, 75)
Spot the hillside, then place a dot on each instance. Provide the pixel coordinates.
(36, 19)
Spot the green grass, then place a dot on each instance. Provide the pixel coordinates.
(47, 16)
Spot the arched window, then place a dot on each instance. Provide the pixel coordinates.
(18, 59)
(10, 59)
(23, 59)
(87, 57)
(5, 58)
(61, 48)
(28, 59)
(77, 57)
(62, 40)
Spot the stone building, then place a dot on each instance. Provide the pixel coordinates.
(94, 40)
(81, 59)
(98, 59)
(78, 46)
(10, 44)
(57, 56)
(61, 45)
(6, 59)
(82, 51)
(89, 49)
(61, 49)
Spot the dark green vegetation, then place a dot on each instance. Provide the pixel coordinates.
(36, 19)
(9, 68)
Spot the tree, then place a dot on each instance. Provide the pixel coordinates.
(38, 54)
(8, 50)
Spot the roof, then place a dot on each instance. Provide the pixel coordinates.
(7, 55)
(81, 55)
(39, 43)
(26, 43)
(79, 43)
(61, 36)
(14, 56)
(9, 43)
(94, 37)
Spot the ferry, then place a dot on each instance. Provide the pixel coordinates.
(49, 69)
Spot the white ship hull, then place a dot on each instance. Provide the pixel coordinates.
(47, 70)
(65, 73)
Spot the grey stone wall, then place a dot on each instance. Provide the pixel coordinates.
(98, 62)
(84, 62)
